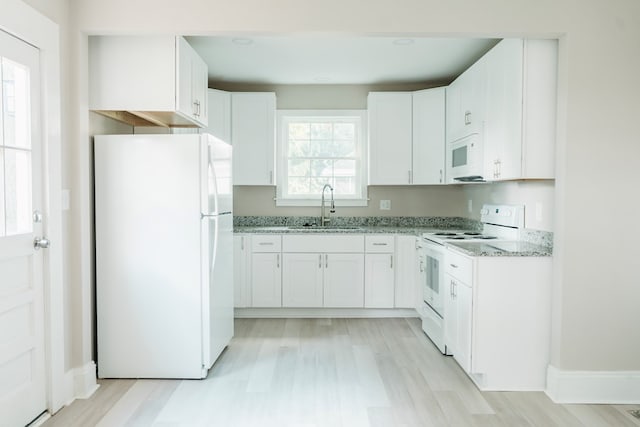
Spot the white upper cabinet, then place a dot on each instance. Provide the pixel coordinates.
(253, 137)
(390, 138)
(428, 136)
(465, 103)
(147, 80)
(219, 104)
(406, 137)
(192, 81)
(520, 128)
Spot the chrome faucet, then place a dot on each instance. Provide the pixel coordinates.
(323, 218)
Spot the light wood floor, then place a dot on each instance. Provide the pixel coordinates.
(328, 372)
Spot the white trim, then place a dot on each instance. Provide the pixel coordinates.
(82, 381)
(281, 116)
(24, 22)
(324, 312)
(593, 387)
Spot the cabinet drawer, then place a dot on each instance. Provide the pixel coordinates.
(336, 243)
(379, 244)
(459, 266)
(266, 243)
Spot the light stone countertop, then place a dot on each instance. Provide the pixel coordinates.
(414, 231)
(529, 246)
(501, 249)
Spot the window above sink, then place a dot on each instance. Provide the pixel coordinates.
(318, 147)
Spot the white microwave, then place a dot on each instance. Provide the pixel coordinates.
(464, 159)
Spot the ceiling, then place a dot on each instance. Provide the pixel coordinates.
(337, 60)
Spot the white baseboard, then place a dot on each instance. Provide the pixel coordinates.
(606, 387)
(324, 312)
(81, 382)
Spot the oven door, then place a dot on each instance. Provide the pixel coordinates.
(433, 286)
(464, 159)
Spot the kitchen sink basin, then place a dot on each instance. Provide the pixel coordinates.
(325, 228)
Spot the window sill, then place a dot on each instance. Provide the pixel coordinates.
(317, 203)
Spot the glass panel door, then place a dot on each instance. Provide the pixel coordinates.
(15, 150)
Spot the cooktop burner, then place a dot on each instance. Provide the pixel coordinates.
(443, 236)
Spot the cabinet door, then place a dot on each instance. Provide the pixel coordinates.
(379, 287)
(219, 108)
(450, 316)
(199, 83)
(472, 95)
(184, 77)
(406, 289)
(390, 138)
(503, 126)
(454, 120)
(464, 315)
(253, 138)
(266, 280)
(428, 136)
(242, 296)
(344, 280)
(302, 280)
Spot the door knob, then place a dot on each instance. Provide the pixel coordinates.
(41, 242)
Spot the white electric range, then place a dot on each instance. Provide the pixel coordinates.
(500, 223)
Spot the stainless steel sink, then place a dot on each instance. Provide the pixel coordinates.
(325, 228)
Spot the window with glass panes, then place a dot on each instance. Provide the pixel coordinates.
(319, 150)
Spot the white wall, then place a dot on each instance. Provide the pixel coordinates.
(405, 201)
(595, 286)
(536, 196)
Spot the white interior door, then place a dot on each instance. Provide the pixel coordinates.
(22, 379)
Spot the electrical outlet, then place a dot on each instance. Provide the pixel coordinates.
(470, 205)
(385, 205)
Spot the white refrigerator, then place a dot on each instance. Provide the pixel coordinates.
(164, 254)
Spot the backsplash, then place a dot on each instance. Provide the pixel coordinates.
(361, 221)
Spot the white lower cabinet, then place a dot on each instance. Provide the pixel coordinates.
(458, 309)
(323, 280)
(379, 285)
(241, 263)
(325, 271)
(498, 319)
(302, 279)
(266, 280)
(344, 280)
(266, 271)
(332, 278)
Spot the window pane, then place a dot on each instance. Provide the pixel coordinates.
(15, 103)
(345, 186)
(2, 217)
(299, 148)
(18, 191)
(299, 168)
(344, 168)
(344, 131)
(299, 130)
(344, 149)
(323, 148)
(321, 131)
(298, 186)
(317, 184)
(321, 168)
